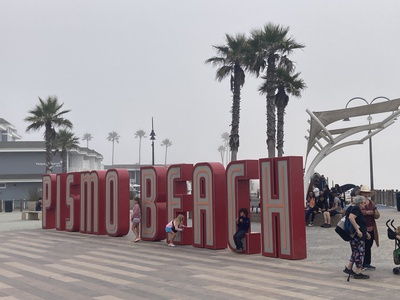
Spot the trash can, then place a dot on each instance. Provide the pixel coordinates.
(8, 206)
(398, 201)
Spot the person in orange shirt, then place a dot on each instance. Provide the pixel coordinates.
(311, 208)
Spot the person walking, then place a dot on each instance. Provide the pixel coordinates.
(357, 243)
(370, 213)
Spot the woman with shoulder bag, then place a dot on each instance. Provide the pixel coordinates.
(357, 243)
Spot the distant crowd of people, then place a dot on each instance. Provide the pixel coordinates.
(328, 202)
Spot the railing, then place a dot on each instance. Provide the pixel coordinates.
(386, 197)
(17, 204)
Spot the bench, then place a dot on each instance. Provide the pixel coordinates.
(319, 220)
(31, 215)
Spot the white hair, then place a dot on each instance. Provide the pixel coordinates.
(358, 199)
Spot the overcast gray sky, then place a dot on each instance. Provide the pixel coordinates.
(117, 64)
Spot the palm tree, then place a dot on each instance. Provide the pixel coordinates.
(270, 48)
(65, 141)
(225, 139)
(48, 114)
(87, 137)
(167, 143)
(221, 150)
(140, 134)
(113, 137)
(231, 60)
(287, 83)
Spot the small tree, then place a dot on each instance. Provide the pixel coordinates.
(48, 114)
(225, 139)
(113, 137)
(221, 150)
(140, 134)
(167, 143)
(87, 137)
(65, 141)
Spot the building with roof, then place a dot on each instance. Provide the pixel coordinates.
(22, 164)
(8, 132)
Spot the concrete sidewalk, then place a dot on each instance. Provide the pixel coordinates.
(49, 264)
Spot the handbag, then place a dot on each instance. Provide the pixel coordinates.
(136, 220)
(340, 230)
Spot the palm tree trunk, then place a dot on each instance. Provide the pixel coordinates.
(271, 87)
(234, 137)
(227, 153)
(140, 148)
(280, 129)
(49, 153)
(112, 159)
(166, 150)
(64, 162)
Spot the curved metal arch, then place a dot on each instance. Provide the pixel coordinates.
(321, 131)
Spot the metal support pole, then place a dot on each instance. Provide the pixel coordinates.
(152, 153)
(371, 165)
(152, 138)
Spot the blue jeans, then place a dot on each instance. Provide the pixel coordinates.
(237, 237)
(309, 212)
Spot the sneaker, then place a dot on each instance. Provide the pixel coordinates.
(348, 271)
(368, 267)
(171, 245)
(311, 224)
(325, 225)
(239, 250)
(360, 276)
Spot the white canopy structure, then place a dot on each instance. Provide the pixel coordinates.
(326, 141)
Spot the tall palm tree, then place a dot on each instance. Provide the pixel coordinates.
(65, 141)
(225, 139)
(140, 134)
(113, 137)
(87, 137)
(167, 143)
(48, 114)
(287, 83)
(221, 150)
(270, 47)
(231, 60)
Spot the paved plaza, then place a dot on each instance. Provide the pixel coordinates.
(50, 264)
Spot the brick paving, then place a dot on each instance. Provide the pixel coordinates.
(50, 264)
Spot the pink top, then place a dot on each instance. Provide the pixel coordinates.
(136, 211)
(169, 225)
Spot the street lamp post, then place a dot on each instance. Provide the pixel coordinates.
(152, 138)
(369, 118)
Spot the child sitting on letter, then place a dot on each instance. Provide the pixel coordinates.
(243, 225)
